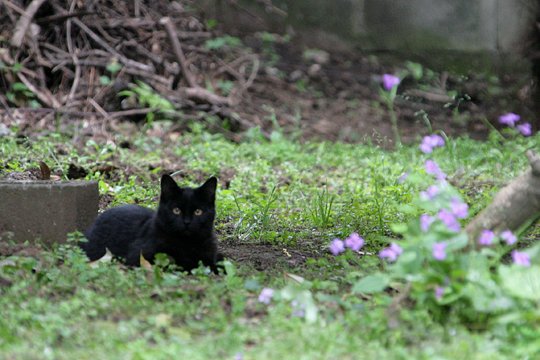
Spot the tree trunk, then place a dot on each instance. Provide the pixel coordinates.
(516, 204)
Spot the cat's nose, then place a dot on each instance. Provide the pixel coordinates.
(187, 222)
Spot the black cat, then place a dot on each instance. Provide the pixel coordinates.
(182, 227)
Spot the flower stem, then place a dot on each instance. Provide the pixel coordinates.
(393, 120)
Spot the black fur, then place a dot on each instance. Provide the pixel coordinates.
(176, 228)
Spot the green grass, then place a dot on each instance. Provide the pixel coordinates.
(293, 195)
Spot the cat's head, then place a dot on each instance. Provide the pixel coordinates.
(187, 211)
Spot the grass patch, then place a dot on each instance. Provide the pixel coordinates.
(290, 196)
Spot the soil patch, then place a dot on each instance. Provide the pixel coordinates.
(264, 257)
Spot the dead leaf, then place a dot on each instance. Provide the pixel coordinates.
(45, 171)
(145, 264)
(296, 278)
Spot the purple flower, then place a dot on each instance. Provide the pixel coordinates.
(509, 119)
(390, 81)
(402, 178)
(439, 251)
(508, 237)
(430, 142)
(439, 292)
(430, 193)
(239, 356)
(486, 238)
(525, 129)
(449, 219)
(337, 247)
(266, 295)
(459, 208)
(521, 258)
(354, 242)
(391, 253)
(433, 168)
(426, 221)
(298, 309)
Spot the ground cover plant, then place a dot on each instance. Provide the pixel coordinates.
(334, 249)
(280, 205)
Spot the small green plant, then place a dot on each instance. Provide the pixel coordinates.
(225, 86)
(21, 95)
(388, 96)
(416, 70)
(321, 208)
(269, 41)
(442, 270)
(113, 67)
(147, 97)
(211, 24)
(264, 214)
(223, 42)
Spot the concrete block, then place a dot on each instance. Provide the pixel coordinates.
(46, 210)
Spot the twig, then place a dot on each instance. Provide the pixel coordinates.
(62, 17)
(99, 109)
(137, 8)
(109, 48)
(194, 91)
(198, 93)
(430, 96)
(271, 8)
(177, 48)
(24, 22)
(6, 107)
(46, 98)
(14, 7)
(73, 54)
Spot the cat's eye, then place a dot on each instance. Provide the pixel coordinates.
(176, 211)
(198, 212)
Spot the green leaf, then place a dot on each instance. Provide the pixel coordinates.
(113, 67)
(399, 228)
(521, 282)
(219, 42)
(19, 86)
(371, 284)
(459, 242)
(104, 80)
(230, 270)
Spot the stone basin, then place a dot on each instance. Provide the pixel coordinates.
(46, 211)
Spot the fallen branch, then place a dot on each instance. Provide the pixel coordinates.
(198, 93)
(24, 22)
(44, 96)
(515, 205)
(124, 60)
(177, 48)
(194, 92)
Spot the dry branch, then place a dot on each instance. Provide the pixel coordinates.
(67, 65)
(24, 22)
(515, 205)
(194, 91)
(177, 48)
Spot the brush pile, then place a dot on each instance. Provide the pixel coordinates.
(105, 59)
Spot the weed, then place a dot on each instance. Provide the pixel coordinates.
(222, 42)
(145, 96)
(321, 207)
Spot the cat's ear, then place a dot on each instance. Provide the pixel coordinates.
(209, 189)
(168, 186)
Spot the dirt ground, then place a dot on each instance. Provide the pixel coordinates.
(339, 99)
